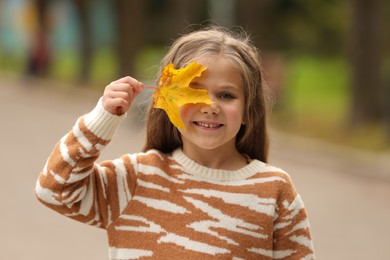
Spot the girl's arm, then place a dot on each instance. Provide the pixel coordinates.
(71, 183)
(292, 237)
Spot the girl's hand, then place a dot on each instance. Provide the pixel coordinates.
(117, 96)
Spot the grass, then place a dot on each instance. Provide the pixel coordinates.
(104, 68)
(64, 66)
(318, 87)
(315, 103)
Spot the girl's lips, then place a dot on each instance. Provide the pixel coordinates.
(209, 125)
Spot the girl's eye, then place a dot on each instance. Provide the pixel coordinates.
(226, 96)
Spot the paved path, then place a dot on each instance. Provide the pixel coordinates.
(348, 207)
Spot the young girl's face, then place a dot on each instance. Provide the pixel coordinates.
(216, 125)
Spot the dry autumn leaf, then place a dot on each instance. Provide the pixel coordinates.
(174, 91)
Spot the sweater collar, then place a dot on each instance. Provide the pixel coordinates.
(200, 171)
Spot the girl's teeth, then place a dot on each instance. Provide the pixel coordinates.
(208, 125)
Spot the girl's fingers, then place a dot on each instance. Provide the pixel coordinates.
(119, 87)
(135, 84)
(117, 106)
(138, 87)
(117, 102)
(126, 79)
(133, 89)
(119, 94)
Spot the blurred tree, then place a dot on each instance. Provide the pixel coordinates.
(366, 58)
(42, 7)
(258, 18)
(82, 8)
(386, 70)
(39, 56)
(130, 26)
(172, 17)
(285, 25)
(180, 14)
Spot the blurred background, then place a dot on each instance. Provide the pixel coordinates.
(327, 63)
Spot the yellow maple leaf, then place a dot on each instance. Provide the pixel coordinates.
(174, 91)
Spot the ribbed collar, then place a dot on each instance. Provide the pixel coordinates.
(192, 167)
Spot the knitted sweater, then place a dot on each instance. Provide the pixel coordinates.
(166, 206)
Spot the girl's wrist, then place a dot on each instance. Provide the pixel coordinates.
(101, 122)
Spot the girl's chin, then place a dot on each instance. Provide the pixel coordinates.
(208, 144)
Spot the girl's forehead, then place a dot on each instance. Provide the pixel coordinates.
(212, 60)
(220, 71)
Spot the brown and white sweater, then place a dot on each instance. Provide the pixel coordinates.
(166, 206)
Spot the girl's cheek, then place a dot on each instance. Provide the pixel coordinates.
(186, 110)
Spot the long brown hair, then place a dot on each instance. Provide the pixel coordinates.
(252, 138)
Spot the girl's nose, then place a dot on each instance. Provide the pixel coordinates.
(210, 109)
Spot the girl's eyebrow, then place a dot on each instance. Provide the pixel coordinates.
(230, 87)
(226, 86)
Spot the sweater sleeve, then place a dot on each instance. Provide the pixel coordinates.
(292, 235)
(72, 184)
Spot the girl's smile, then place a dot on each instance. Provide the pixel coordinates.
(214, 127)
(207, 125)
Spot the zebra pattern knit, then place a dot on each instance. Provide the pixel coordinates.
(166, 206)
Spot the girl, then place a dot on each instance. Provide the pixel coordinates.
(201, 193)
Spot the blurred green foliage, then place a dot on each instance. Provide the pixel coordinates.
(315, 102)
(318, 86)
